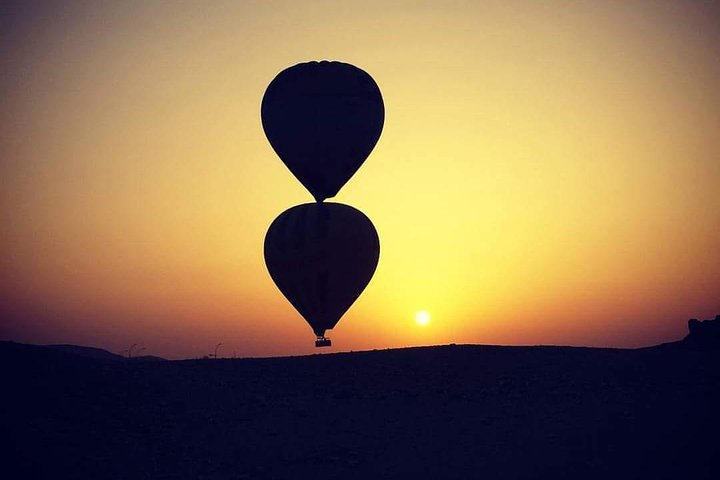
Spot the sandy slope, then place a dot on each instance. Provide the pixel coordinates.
(435, 412)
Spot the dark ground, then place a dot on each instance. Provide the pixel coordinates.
(435, 412)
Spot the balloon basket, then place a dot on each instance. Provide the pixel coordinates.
(323, 342)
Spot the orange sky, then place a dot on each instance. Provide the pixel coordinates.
(548, 172)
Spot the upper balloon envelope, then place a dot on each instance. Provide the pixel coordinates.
(321, 256)
(323, 119)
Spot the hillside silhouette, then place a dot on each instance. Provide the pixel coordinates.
(99, 353)
(458, 411)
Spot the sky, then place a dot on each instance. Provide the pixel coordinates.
(547, 174)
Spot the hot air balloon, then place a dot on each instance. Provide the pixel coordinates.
(323, 119)
(321, 256)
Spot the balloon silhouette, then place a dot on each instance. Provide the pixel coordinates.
(321, 256)
(323, 119)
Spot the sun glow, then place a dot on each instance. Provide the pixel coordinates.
(422, 318)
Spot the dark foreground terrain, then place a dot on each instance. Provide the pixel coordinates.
(436, 412)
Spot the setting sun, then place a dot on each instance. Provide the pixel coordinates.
(422, 318)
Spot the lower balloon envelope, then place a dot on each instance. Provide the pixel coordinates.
(322, 256)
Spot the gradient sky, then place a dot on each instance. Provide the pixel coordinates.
(548, 172)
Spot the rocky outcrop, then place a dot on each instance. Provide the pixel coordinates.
(703, 334)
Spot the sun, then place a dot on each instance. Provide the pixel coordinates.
(422, 318)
